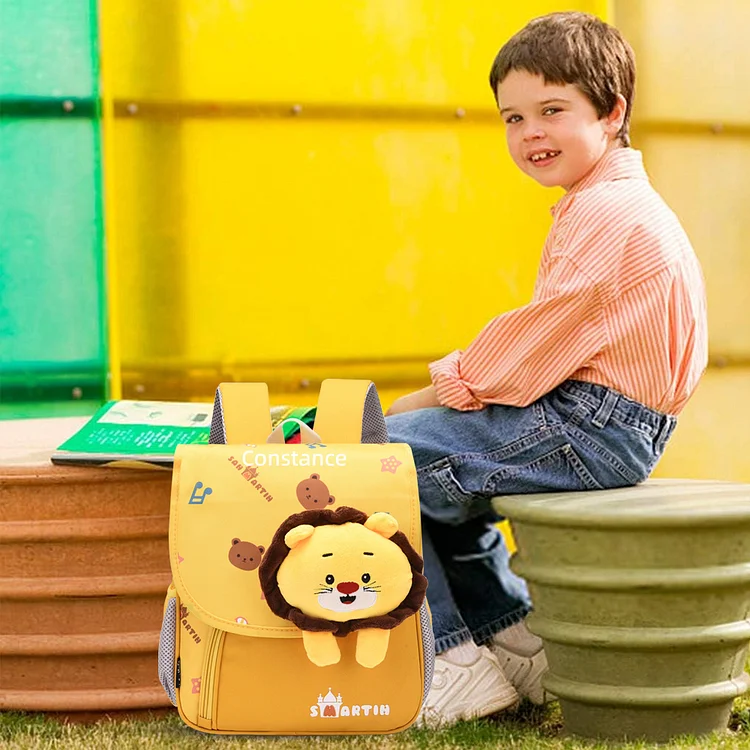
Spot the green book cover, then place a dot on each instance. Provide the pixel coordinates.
(148, 432)
(145, 431)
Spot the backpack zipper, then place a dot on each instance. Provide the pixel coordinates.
(210, 674)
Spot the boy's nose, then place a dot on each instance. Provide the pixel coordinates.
(533, 133)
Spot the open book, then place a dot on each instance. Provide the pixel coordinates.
(148, 432)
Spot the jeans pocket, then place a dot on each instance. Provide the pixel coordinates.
(616, 456)
(558, 470)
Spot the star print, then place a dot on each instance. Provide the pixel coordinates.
(390, 464)
(180, 558)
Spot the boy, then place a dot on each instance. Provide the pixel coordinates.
(579, 389)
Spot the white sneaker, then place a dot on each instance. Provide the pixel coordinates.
(522, 658)
(468, 683)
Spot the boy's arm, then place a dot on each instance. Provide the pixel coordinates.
(421, 399)
(523, 354)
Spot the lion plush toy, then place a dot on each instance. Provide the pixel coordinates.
(334, 572)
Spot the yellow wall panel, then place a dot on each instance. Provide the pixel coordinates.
(692, 58)
(373, 227)
(333, 236)
(150, 236)
(142, 53)
(711, 438)
(356, 51)
(366, 240)
(712, 203)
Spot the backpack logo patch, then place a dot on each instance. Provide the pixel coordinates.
(333, 707)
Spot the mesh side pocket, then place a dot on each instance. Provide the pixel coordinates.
(167, 642)
(217, 433)
(374, 429)
(428, 647)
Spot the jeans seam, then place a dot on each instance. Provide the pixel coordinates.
(506, 451)
(540, 415)
(524, 443)
(518, 446)
(531, 465)
(580, 468)
(449, 461)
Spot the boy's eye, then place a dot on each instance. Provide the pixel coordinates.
(512, 118)
(551, 110)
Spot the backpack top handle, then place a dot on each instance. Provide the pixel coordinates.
(242, 414)
(349, 411)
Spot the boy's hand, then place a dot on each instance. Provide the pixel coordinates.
(412, 401)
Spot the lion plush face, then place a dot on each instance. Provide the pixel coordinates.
(347, 571)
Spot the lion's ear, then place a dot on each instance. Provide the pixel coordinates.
(298, 534)
(382, 523)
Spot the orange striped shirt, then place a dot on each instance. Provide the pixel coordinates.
(619, 300)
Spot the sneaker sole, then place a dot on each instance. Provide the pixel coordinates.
(509, 698)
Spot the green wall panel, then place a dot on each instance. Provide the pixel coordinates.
(50, 246)
(52, 303)
(46, 48)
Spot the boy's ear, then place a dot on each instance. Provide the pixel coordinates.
(616, 117)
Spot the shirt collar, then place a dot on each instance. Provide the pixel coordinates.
(617, 164)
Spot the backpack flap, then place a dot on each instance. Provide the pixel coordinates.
(229, 500)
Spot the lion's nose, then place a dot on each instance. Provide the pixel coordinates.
(349, 587)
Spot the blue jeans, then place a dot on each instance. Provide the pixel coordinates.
(580, 436)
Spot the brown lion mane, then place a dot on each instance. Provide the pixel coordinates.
(277, 552)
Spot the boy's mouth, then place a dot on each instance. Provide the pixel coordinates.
(543, 158)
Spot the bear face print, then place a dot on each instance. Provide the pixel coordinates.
(313, 493)
(245, 555)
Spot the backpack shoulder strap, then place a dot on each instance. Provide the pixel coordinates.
(242, 414)
(349, 411)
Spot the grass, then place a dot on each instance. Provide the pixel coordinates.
(530, 728)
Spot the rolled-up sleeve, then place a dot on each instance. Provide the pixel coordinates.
(524, 353)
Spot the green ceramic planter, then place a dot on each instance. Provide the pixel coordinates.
(641, 596)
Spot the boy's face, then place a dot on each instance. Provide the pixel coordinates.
(554, 133)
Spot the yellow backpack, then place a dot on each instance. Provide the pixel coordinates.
(292, 609)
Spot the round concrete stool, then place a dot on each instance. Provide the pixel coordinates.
(84, 569)
(641, 596)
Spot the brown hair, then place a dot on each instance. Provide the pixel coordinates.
(575, 48)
